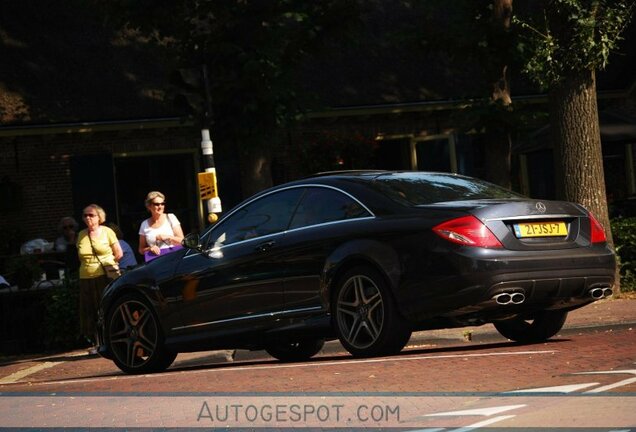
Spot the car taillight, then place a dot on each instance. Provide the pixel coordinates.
(597, 231)
(467, 231)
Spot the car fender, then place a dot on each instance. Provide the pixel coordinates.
(140, 282)
(362, 251)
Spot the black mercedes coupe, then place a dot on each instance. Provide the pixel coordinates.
(366, 257)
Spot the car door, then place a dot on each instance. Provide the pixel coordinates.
(324, 219)
(238, 286)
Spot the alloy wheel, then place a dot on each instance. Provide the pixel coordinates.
(133, 333)
(360, 311)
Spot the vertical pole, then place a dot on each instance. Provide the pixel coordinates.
(207, 180)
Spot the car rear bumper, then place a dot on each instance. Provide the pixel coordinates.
(475, 280)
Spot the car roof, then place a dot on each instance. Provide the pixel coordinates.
(348, 173)
(357, 176)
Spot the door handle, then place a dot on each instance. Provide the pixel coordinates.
(265, 246)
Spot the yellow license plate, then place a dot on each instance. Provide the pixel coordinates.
(541, 229)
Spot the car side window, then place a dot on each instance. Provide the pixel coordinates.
(267, 215)
(321, 205)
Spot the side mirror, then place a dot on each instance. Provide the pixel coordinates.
(191, 241)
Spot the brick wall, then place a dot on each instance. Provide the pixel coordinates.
(40, 167)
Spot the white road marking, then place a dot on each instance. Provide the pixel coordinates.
(624, 371)
(236, 367)
(557, 389)
(483, 423)
(14, 377)
(611, 386)
(477, 411)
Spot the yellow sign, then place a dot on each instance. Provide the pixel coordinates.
(207, 185)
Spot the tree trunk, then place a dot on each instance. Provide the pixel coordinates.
(497, 131)
(576, 139)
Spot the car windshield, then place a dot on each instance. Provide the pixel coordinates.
(417, 188)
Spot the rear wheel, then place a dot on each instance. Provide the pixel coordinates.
(295, 351)
(542, 326)
(364, 315)
(134, 337)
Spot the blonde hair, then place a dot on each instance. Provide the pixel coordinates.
(152, 195)
(101, 214)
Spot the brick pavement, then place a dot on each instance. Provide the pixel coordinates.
(467, 367)
(72, 364)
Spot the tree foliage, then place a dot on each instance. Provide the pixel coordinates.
(567, 43)
(568, 36)
(624, 231)
(250, 48)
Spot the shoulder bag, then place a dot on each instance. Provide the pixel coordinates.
(111, 270)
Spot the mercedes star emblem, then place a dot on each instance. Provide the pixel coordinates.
(541, 207)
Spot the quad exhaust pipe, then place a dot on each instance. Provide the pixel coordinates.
(515, 298)
(599, 293)
(507, 298)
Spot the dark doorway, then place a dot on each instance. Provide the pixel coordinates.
(393, 154)
(433, 155)
(172, 174)
(93, 183)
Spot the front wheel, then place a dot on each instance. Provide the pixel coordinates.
(542, 326)
(295, 351)
(364, 315)
(134, 337)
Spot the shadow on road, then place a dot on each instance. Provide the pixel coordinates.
(333, 352)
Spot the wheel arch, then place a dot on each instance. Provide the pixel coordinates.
(373, 253)
(150, 294)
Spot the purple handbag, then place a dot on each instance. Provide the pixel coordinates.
(149, 256)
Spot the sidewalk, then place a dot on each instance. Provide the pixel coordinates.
(598, 314)
(604, 312)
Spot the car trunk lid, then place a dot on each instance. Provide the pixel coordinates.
(529, 224)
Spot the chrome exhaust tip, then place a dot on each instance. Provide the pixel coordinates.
(596, 293)
(518, 298)
(509, 298)
(599, 293)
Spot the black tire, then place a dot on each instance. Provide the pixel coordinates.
(364, 315)
(134, 337)
(295, 351)
(542, 326)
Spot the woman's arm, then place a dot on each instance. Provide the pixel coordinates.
(177, 232)
(143, 246)
(117, 252)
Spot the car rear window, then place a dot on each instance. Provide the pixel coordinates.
(416, 188)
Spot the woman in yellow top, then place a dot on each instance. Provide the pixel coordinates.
(97, 246)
